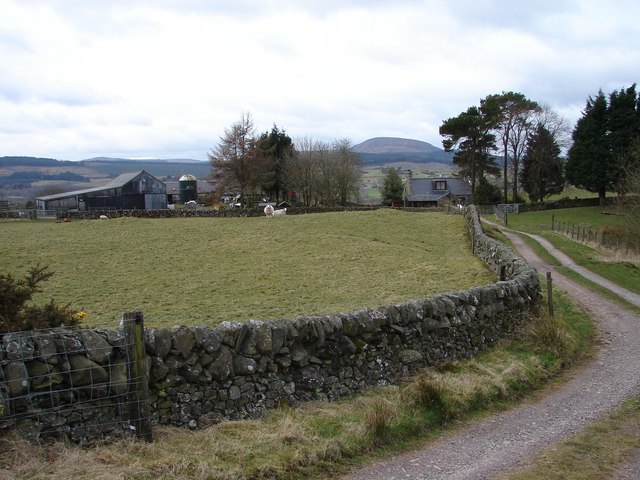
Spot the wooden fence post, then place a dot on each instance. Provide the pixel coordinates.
(550, 294)
(138, 398)
(553, 216)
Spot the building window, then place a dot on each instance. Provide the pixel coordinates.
(440, 185)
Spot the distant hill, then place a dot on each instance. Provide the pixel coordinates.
(101, 167)
(158, 168)
(394, 145)
(385, 150)
(22, 178)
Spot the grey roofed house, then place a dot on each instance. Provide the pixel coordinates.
(128, 191)
(436, 191)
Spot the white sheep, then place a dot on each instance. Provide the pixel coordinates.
(104, 217)
(279, 213)
(268, 211)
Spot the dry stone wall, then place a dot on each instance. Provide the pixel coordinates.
(200, 375)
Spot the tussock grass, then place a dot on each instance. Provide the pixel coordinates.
(379, 416)
(207, 270)
(551, 334)
(317, 438)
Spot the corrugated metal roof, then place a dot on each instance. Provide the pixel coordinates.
(117, 182)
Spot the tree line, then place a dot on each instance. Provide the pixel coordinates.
(271, 164)
(507, 135)
(522, 141)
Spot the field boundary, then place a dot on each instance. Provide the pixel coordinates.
(197, 376)
(607, 239)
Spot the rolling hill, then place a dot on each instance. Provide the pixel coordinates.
(386, 150)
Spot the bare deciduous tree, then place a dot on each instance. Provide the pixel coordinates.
(323, 173)
(301, 169)
(234, 163)
(348, 168)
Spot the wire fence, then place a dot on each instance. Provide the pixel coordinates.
(84, 385)
(612, 239)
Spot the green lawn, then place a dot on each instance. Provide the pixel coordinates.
(206, 270)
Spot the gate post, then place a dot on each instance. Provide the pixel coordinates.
(138, 397)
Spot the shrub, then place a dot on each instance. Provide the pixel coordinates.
(16, 315)
(486, 193)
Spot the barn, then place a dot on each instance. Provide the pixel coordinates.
(129, 191)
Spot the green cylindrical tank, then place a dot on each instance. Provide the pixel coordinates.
(188, 188)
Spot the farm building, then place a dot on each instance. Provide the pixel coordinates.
(436, 192)
(129, 191)
(188, 188)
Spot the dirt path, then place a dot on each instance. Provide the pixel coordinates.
(508, 440)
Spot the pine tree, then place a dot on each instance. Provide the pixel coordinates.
(541, 174)
(598, 159)
(392, 188)
(589, 165)
(470, 135)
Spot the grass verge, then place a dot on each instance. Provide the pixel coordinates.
(318, 438)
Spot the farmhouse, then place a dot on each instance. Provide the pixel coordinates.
(129, 191)
(435, 192)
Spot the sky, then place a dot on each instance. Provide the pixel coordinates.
(164, 79)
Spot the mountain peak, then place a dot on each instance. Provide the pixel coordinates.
(394, 145)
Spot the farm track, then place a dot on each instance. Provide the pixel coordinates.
(506, 441)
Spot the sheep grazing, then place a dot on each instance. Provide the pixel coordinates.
(268, 211)
(104, 217)
(279, 213)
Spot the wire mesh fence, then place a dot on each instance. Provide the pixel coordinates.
(612, 239)
(82, 384)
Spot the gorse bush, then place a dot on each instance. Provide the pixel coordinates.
(16, 315)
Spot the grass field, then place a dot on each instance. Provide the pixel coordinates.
(206, 270)
(535, 222)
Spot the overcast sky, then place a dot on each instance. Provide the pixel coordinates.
(163, 79)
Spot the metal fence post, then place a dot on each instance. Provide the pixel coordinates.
(138, 398)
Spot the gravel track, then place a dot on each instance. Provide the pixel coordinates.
(508, 440)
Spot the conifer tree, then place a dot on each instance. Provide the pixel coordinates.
(541, 166)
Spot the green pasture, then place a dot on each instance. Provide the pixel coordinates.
(207, 270)
(571, 192)
(605, 263)
(596, 217)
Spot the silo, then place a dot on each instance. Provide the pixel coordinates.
(188, 188)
